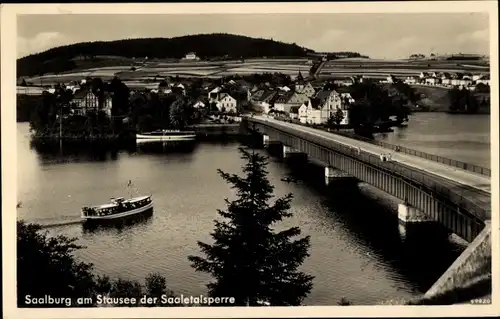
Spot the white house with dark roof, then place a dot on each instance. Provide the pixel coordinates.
(85, 100)
(191, 56)
(410, 80)
(226, 103)
(288, 100)
(310, 112)
(263, 99)
(323, 106)
(305, 88)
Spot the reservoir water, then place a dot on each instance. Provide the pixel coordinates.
(460, 137)
(357, 249)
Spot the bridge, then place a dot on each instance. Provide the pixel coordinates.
(454, 194)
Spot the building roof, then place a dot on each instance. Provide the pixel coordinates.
(284, 98)
(294, 109)
(316, 103)
(223, 95)
(265, 95)
(80, 94)
(323, 95)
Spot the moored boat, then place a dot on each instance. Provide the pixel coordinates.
(118, 208)
(167, 135)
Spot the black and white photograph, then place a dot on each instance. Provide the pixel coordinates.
(169, 159)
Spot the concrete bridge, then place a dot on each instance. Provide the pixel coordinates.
(458, 198)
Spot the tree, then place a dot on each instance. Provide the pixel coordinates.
(156, 286)
(249, 260)
(46, 266)
(338, 117)
(178, 114)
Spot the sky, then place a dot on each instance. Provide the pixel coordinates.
(388, 35)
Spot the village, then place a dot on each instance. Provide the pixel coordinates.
(304, 100)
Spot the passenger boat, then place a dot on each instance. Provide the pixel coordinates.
(167, 135)
(118, 208)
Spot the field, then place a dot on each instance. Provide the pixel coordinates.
(399, 68)
(135, 71)
(152, 70)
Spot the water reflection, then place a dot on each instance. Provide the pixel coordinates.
(118, 226)
(54, 152)
(163, 147)
(418, 252)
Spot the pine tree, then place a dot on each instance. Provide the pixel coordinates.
(249, 260)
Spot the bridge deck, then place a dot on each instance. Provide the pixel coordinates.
(475, 187)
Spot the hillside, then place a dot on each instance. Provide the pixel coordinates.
(206, 46)
(437, 99)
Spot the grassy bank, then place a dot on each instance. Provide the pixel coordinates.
(437, 99)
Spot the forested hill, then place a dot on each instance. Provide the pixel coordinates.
(205, 45)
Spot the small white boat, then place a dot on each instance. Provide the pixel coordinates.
(118, 208)
(167, 135)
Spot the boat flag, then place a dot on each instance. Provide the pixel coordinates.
(129, 183)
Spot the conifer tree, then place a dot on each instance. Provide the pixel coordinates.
(249, 259)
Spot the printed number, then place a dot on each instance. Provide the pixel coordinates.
(480, 301)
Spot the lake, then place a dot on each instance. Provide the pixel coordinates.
(357, 248)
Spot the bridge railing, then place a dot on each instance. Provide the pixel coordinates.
(421, 179)
(436, 158)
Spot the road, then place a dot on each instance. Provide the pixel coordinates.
(475, 185)
(318, 70)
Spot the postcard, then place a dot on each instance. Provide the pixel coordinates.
(250, 159)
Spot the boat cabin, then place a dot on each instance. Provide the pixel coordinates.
(117, 205)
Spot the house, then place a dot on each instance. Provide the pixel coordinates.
(226, 103)
(305, 88)
(410, 80)
(310, 112)
(191, 56)
(424, 75)
(294, 112)
(346, 98)
(430, 81)
(85, 100)
(445, 78)
(343, 82)
(323, 105)
(476, 77)
(288, 100)
(485, 79)
(465, 81)
(214, 94)
(330, 102)
(455, 79)
(199, 105)
(264, 99)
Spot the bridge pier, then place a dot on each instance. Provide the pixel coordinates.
(294, 157)
(289, 151)
(265, 140)
(410, 214)
(420, 191)
(332, 174)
